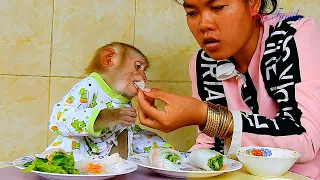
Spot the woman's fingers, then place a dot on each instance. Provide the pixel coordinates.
(158, 94)
(146, 121)
(148, 108)
(142, 116)
(150, 100)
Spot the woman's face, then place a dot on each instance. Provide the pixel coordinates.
(221, 27)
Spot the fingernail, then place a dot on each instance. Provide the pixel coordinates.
(147, 90)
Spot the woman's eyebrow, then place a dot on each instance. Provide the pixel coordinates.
(186, 5)
(210, 2)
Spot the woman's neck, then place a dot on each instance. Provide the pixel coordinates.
(243, 57)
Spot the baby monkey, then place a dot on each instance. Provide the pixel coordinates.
(96, 117)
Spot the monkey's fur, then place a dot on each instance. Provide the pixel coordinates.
(120, 65)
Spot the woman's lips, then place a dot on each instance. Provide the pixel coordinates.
(211, 46)
(210, 43)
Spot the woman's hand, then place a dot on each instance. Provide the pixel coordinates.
(179, 110)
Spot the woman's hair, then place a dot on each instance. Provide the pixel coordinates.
(265, 6)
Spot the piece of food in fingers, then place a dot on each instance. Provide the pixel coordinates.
(165, 158)
(207, 159)
(140, 84)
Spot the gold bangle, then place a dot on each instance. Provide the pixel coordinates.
(227, 123)
(227, 131)
(218, 123)
(220, 120)
(211, 124)
(224, 122)
(214, 122)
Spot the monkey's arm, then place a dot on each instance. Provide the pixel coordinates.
(72, 116)
(111, 117)
(107, 118)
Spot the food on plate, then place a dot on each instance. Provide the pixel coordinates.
(166, 158)
(147, 149)
(53, 161)
(115, 164)
(140, 84)
(98, 166)
(207, 159)
(91, 167)
(111, 165)
(60, 162)
(167, 145)
(259, 152)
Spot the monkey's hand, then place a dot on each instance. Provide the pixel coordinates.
(112, 117)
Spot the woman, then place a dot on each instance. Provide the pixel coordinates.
(255, 81)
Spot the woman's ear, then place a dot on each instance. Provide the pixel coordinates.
(107, 57)
(254, 7)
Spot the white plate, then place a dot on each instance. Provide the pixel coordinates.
(19, 164)
(187, 171)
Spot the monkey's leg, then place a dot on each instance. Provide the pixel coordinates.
(122, 147)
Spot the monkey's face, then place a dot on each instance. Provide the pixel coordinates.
(131, 71)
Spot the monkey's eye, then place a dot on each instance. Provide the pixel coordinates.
(138, 65)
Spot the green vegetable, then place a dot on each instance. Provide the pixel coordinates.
(137, 129)
(58, 162)
(173, 158)
(216, 163)
(147, 149)
(154, 145)
(27, 164)
(166, 145)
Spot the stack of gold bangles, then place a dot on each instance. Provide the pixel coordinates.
(218, 123)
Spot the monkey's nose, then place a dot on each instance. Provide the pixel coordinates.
(144, 76)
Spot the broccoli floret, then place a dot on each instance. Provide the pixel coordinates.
(216, 163)
(173, 158)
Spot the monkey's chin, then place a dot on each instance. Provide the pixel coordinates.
(133, 94)
(130, 92)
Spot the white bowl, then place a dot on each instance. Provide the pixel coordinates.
(274, 165)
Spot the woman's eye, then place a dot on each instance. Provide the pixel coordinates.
(216, 8)
(191, 13)
(138, 65)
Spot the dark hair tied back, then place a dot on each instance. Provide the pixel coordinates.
(180, 2)
(268, 5)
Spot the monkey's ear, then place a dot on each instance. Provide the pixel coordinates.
(107, 56)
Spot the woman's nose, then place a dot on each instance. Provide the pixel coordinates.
(206, 22)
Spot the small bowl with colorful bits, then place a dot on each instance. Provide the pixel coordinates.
(267, 161)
